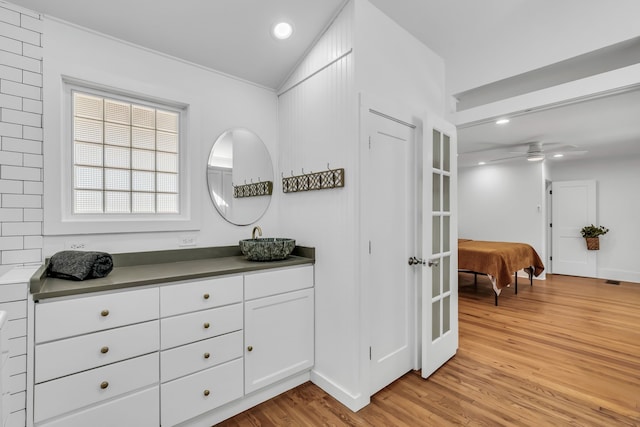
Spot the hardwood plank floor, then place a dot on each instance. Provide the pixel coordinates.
(565, 351)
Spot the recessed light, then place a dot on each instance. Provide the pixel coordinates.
(282, 30)
(558, 155)
(502, 121)
(482, 163)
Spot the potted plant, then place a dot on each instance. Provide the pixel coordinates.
(591, 234)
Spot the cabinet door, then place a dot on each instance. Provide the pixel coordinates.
(278, 337)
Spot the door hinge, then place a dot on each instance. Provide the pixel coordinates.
(369, 353)
(550, 258)
(369, 143)
(550, 191)
(369, 247)
(551, 225)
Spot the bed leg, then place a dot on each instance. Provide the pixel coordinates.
(531, 277)
(475, 279)
(516, 274)
(495, 294)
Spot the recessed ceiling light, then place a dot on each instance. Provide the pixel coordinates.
(282, 30)
(482, 163)
(558, 155)
(502, 121)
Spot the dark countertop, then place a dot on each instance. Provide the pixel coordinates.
(147, 268)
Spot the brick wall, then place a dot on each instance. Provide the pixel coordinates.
(21, 159)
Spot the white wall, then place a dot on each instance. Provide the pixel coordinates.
(215, 101)
(618, 208)
(21, 158)
(503, 202)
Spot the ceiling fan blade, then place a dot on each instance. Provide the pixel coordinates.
(506, 158)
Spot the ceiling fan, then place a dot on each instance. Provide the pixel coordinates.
(537, 151)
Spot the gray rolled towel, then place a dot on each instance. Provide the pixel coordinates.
(80, 265)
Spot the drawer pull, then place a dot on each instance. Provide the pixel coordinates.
(206, 296)
(207, 392)
(206, 355)
(206, 325)
(104, 350)
(250, 348)
(104, 384)
(104, 313)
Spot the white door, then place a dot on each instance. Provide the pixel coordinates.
(439, 247)
(573, 206)
(391, 229)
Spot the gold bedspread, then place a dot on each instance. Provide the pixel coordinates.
(498, 259)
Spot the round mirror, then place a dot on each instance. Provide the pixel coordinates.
(240, 176)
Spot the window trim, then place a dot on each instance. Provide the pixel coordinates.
(59, 217)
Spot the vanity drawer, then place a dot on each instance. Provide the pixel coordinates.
(66, 394)
(257, 285)
(59, 358)
(187, 359)
(196, 394)
(199, 295)
(140, 410)
(200, 325)
(65, 318)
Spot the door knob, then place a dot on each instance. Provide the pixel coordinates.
(414, 261)
(433, 262)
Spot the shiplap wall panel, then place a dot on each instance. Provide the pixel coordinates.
(20, 136)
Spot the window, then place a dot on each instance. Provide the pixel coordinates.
(125, 156)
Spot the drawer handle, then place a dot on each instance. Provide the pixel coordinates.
(206, 355)
(207, 392)
(250, 348)
(104, 384)
(104, 313)
(206, 296)
(206, 325)
(104, 350)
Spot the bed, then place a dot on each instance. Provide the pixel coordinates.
(499, 261)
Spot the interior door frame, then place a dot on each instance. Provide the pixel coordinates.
(395, 110)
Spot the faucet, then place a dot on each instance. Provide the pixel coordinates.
(253, 233)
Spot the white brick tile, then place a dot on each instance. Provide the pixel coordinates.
(22, 34)
(31, 23)
(14, 214)
(19, 257)
(21, 117)
(33, 214)
(8, 186)
(21, 62)
(21, 228)
(33, 187)
(29, 132)
(10, 101)
(31, 105)
(10, 73)
(13, 242)
(10, 129)
(33, 79)
(11, 45)
(32, 51)
(21, 201)
(20, 173)
(19, 89)
(11, 158)
(21, 145)
(33, 160)
(9, 16)
(33, 242)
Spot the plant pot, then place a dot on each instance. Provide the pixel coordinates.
(593, 243)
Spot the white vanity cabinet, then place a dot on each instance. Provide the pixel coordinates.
(97, 358)
(279, 325)
(201, 341)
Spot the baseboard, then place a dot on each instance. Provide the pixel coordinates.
(354, 402)
(622, 275)
(237, 406)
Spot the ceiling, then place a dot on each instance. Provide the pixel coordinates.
(232, 36)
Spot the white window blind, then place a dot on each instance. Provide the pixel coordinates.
(125, 157)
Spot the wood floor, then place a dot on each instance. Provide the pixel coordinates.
(563, 352)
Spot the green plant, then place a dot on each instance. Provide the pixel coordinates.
(593, 231)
